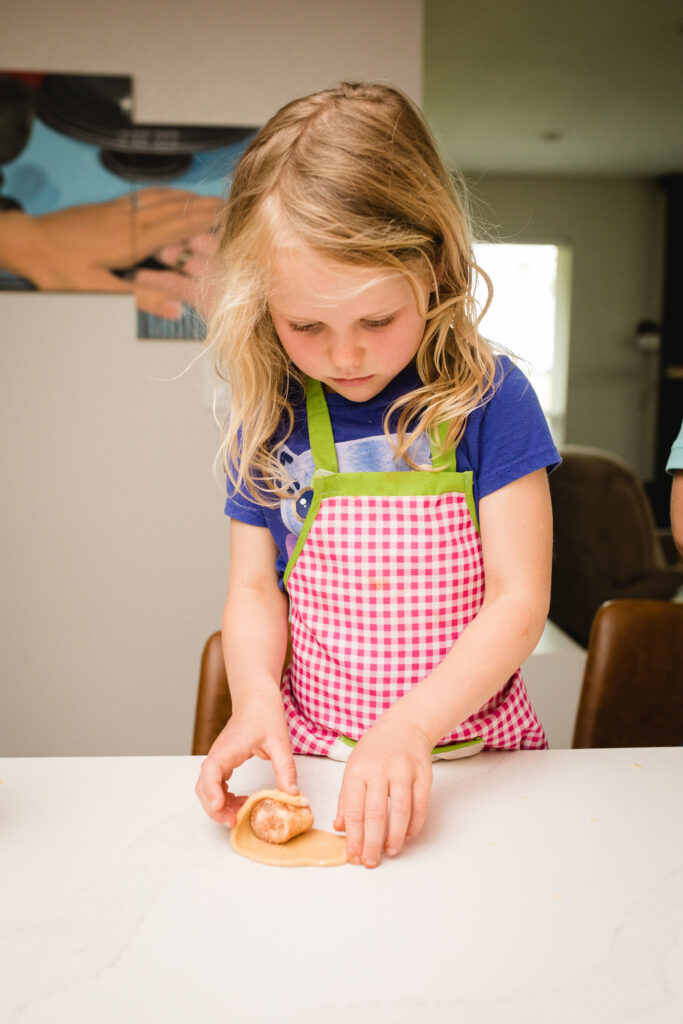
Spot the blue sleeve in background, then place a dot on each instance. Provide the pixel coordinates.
(676, 456)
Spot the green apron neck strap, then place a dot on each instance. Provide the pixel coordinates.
(322, 439)
(320, 428)
(442, 457)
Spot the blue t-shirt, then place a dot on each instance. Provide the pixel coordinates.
(505, 438)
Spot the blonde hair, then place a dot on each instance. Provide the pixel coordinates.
(354, 174)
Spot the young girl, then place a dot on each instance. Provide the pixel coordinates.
(387, 474)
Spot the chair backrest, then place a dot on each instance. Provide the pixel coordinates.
(214, 705)
(632, 693)
(605, 541)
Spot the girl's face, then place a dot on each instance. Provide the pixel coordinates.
(352, 328)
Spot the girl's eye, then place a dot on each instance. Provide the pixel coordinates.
(379, 323)
(304, 327)
(314, 327)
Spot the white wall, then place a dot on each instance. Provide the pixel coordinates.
(114, 545)
(218, 61)
(615, 227)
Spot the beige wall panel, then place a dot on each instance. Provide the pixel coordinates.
(219, 61)
(615, 227)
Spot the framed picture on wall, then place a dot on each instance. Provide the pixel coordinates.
(90, 201)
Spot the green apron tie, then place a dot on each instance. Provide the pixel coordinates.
(322, 439)
(320, 428)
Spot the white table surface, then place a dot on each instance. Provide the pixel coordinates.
(546, 886)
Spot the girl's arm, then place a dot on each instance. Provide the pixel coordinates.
(254, 643)
(516, 536)
(393, 760)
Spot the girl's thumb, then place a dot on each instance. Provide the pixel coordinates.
(285, 771)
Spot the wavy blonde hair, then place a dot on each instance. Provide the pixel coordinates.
(354, 174)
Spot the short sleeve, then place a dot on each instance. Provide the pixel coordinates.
(508, 436)
(240, 505)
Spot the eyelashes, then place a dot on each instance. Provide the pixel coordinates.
(314, 327)
(379, 323)
(303, 328)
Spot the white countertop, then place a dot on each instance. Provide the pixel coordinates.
(546, 886)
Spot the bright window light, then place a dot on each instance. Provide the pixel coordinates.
(529, 316)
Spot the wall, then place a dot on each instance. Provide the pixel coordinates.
(615, 227)
(114, 546)
(218, 61)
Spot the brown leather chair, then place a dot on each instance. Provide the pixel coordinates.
(214, 705)
(632, 693)
(606, 545)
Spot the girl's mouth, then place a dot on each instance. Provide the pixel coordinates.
(350, 381)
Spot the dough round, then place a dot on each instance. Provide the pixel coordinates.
(314, 847)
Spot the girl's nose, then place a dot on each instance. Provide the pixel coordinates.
(346, 355)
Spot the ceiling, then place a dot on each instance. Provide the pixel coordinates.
(556, 86)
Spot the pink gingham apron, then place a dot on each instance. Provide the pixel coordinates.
(385, 576)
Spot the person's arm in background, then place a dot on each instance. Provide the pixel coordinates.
(675, 467)
(677, 509)
(79, 248)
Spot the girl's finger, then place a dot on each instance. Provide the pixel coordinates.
(210, 786)
(401, 797)
(353, 796)
(284, 768)
(232, 806)
(421, 790)
(227, 815)
(338, 823)
(375, 823)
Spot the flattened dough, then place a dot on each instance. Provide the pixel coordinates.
(314, 847)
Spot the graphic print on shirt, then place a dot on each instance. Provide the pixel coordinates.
(363, 455)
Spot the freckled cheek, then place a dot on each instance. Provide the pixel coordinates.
(288, 343)
(300, 352)
(404, 344)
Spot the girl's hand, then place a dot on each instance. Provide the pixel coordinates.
(391, 762)
(257, 730)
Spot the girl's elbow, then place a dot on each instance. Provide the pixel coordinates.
(526, 612)
(533, 615)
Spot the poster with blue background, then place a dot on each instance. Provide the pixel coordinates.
(91, 201)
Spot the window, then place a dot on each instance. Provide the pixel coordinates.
(529, 315)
